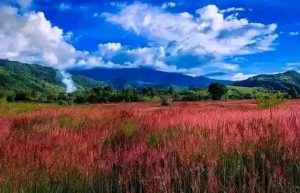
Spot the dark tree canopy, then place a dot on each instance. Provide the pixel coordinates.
(293, 93)
(217, 90)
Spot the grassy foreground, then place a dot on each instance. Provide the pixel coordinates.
(142, 147)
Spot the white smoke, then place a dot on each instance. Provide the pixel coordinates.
(67, 81)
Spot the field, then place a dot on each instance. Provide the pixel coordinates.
(232, 146)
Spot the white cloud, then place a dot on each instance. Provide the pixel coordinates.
(167, 5)
(31, 38)
(64, 6)
(225, 66)
(232, 9)
(21, 3)
(292, 66)
(241, 76)
(180, 42)
(295, 33)
(110, 46)
(206, 33)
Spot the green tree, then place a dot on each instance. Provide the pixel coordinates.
(22, 96)
(129, 94)
(65, 99)
(217, 90)
(150, 92)
(293, 93)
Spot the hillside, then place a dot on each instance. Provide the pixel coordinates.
(23, 77)
(282, 81)
(141, 77)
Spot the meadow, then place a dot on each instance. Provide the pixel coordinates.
(193, 147)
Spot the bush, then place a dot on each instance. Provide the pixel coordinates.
(166, 101)
(269, 100)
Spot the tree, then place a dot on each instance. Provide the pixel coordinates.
(293, 93)
(150, 92)
(65, 99)
(129, 94)
(217, 90)
(22, 96)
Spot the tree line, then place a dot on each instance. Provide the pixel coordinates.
(104, 94)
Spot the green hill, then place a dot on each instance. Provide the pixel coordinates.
(17, 76)
(282, 81)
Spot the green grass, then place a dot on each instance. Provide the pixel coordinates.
(7, 109)
(246, 90)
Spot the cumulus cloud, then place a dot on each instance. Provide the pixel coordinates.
(208, 33)
(31, 38)
(190, 43)
(241, 76)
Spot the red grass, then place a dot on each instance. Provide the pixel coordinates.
(190, 147)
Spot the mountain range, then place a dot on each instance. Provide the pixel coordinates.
(141, 77)
(21, 76)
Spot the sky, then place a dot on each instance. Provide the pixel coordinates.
(221, 39)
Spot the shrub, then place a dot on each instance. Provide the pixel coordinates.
(268, 100)
(166, 101)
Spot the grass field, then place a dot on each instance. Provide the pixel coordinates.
(232, 146)
(8, 109)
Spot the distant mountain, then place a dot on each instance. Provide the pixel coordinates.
(23, 77)
(282, 81)
(141, 77)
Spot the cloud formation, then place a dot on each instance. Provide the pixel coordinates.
(31, 38)
(241, 76)
(208, 31)
(20, 3)
(191, 43)
(204, 39)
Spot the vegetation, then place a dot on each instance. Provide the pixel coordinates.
(18, 77)
(280, 82)
(8, 109)
(231, 146)
(166, 101)
(217, 90)
(104, 94)
(35, 83)
(293, 93)
(268, 100)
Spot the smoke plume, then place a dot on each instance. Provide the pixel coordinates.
(67, 81)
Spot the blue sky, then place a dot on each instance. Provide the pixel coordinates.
(225, 39)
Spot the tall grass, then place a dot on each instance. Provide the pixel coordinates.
(189, 147)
